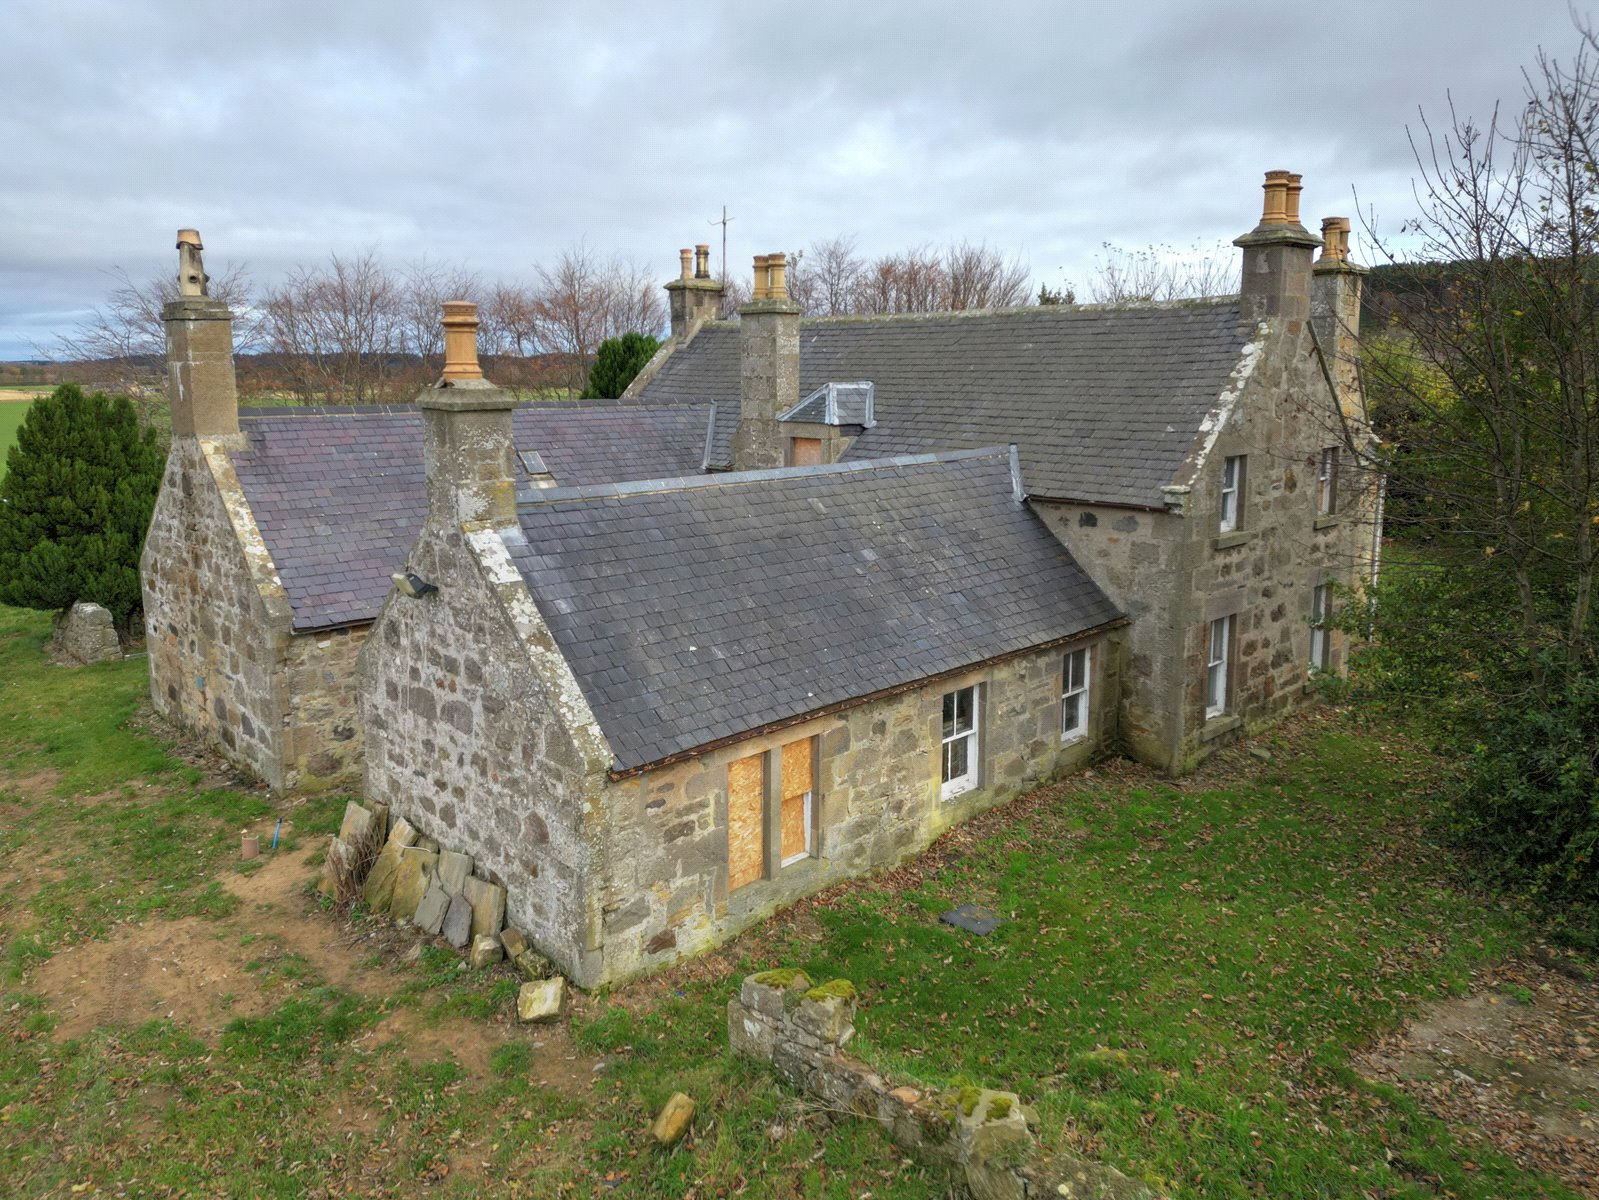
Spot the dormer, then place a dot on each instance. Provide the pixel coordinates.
(820, 427)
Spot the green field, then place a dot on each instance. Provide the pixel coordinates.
(1185, 980)
(12, 413)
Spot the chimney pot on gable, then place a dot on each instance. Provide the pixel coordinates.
(693, 297)
(1334, 239)
(777, 277)
(1293, 190)
(460, 341)
(1275, 211)
(1277, 259)
(467, 436)
(199, 335)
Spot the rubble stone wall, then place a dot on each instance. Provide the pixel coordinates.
(876, 801)
(465, 741)
(214, 639)
(322, 743)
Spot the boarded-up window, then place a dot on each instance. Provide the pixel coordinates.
(798, 790)
(746, 857)
(805, 452)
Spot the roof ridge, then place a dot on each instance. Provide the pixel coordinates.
(1039, 311)
(595, 491)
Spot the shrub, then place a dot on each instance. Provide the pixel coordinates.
(616, 364)
(75, 503)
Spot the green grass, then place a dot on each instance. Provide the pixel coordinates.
(1180, 984)
(12, 414)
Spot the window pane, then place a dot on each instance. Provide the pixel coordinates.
(1072, 714)
(963, 710)
(1218, 641)
(957, 760)
(1213, 681)
(949, 717)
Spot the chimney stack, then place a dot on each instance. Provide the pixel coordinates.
(769, 366)
(468, 446)
(1335, 293)
(1276, 276)
(693, 298)
(201, 387)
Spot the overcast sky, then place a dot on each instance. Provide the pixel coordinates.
(496, 134)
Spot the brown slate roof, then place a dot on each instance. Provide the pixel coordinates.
(1103, 402)
(697, 610)
(339, 493)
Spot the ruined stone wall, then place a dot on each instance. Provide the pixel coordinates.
(665, 891)
(214, 639)
(465, 741)
(322, 743)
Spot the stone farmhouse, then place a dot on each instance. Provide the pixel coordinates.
(812, 592)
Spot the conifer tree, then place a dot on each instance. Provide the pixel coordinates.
(75, 503)
(618, 360)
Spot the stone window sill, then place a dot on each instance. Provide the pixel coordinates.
(1215, 727)
(1328, 522)
(1236, 537)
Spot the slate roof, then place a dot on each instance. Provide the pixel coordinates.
(700, 609)
(1104, 403)
(339, 493)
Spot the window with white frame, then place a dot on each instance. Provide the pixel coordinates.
(1216, 666)
(1074, 696)
(1320, 614)
(1327, 482)
(1232, 486)
(959, 741)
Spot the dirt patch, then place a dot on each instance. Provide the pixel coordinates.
(277, 907)
(190, 971)
(1515, 1064)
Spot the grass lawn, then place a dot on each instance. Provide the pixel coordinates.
(12, 414)
(1184, 975)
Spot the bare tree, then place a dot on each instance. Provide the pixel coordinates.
(978, 276)
(423, 288)
(1163, 273)
(582, 299)
(1492, 399)
(337, 330)
(121, 347)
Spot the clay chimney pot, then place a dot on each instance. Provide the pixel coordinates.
(189, 237)
(1294, 188)
(460, 341)
(702, 260)
(685, 259)
(1275, 211)
(777, 288)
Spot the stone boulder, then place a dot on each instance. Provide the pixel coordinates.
(541, 1001)
(87, 634)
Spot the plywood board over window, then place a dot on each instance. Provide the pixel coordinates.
(798, 789)
(746, 852)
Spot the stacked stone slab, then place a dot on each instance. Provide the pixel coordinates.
(350, 856)
(981, 1137)
(403, 875)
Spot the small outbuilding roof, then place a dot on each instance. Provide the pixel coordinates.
(696, 610)
(339, 493)
(1104, 402)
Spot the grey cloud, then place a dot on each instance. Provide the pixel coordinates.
(495, 133)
